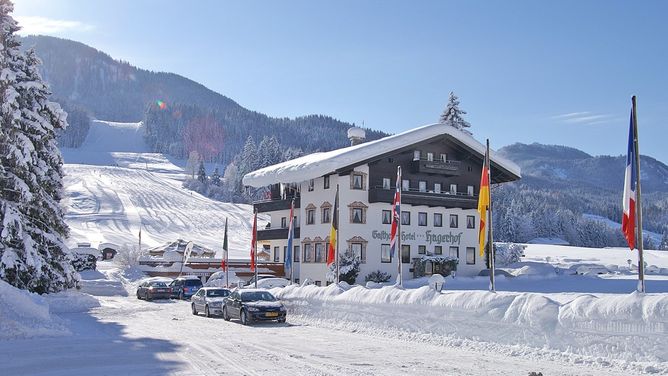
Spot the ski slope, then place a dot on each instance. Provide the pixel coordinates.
(114, 186)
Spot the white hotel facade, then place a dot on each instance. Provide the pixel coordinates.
(441, 168)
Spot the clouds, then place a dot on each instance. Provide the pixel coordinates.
(585, 118)
(42, 25)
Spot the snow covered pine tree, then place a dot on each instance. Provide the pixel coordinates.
(452, 115)
(33, 255)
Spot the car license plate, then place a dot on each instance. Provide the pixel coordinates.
(271, 314)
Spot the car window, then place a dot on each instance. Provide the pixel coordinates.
(193, 282)
(217, 293)
(254, 296)
(200, 293)
(158, 284)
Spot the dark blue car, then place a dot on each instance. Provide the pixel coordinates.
(185, 287)
(253, 305)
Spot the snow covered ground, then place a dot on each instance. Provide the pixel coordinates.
(417, 332)
(113, 186)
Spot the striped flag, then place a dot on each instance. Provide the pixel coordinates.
(483, 203)
(331, 252)
(630, 183)
(396, 212)
(288, 251)
(253, 244)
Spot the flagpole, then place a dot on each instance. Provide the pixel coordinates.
(641, 262)
(490, 241)
(226, 246)
(337, 237)
(255, 253)
(291, 251)
(398, 241)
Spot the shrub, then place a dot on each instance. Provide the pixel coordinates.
(377, 276)
(82, 261)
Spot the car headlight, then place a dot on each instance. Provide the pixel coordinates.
(252, 309)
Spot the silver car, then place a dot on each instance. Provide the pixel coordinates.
(209, 300)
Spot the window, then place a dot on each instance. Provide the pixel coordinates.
(416, 155)
(430, 157)
(387, 217)
(311, 185)
(385, 255)
(422, 249)
(469, 190)
(453, 189)
(386, 183)
(276, 255)
(285, 250)
(359, 251)
(320, 252)
(454, 221)
(310, 216)
(309, 256)
(470, 221)
(470, 255)
(422, 186)
(325, 215)
(437, 187)
(454, 252)
(325, 182)
(438, 220)
(405, 254)
(438, 250)
(405, 218)
(358, 180)
(444, 157)
(318, 283)
(357, 215)
(284, 223)
(296, 253)
(422, 219)
(297, 280)
(405, 185)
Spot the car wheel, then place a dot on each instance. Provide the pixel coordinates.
(244, 318)
(181, 295)
(206, 311)
(194, 309)
(138, 296)
(226, 316)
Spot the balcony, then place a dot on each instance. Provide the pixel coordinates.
(416, 197)
(275, 233)
(446, 168)
(275, 204)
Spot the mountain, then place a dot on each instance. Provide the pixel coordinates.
(563, 190)
(173, 108)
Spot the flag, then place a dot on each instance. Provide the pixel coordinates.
(253, 244)
(396, 210)
(331, 252)
(187, 252)
(288, 251)
(483, 204)
(630, 183)
(223, 264)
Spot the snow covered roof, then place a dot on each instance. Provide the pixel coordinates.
(318, 164)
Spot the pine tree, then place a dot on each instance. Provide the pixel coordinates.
(452, 115)
(215, 177)
(201, 173)
(33, 255)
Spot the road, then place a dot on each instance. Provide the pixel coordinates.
(126, 336)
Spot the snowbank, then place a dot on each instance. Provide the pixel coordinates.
(24, 314)
(627, 327)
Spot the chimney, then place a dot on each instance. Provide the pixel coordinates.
(356, 136)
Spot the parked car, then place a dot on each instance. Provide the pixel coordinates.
(150, 290)
(209, 300)
(269, 283)
(185, 287)
(251, 282)
(253, 305)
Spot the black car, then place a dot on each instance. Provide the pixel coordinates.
(150, 290)
(253, 305)
(185, 287)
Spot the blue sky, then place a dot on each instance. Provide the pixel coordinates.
(526, 71)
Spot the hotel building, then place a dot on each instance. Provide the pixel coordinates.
(441, 168)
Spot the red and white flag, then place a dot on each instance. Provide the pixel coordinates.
(630, 184)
